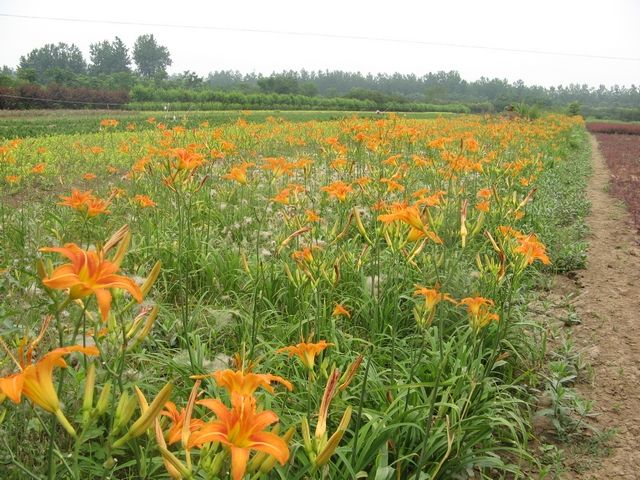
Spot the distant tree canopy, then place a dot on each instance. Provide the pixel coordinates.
(52, 63)
(151, 58)
(110, 69)
(109, 57)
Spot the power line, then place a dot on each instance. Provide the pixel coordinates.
(20, 97)
(325, 35)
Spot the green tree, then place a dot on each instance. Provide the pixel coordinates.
(279, 83)
(109, 57)
(67, 58)
(151, 59)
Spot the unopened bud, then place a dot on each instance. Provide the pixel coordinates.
(148, 414)
(104, 400)
(270, 462)
(334, 441)
(124, 411)
(151, 279)
(89, 384)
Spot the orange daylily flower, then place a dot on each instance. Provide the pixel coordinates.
(35, 380)
(478, 310)
(76, 200)
(279, 166)
(411, 216)
(89, 272)
(177, 418)
(245, 383)
(96, 206)
(38, 168)
(483, 206)
(484, 193)
(305, 255)
(392, 185)
(306, 351)
(338, 190)
(239, 174)
(187, 159)
(109, 122)
(339, 310)
(282, 196)
(241, 429)
(144, 201)
(432, 296)
(532, 249)
(312, 216)
(85, 202)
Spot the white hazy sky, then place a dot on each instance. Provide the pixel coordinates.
(588, 27)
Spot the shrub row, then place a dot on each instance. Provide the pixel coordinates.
(30, 96)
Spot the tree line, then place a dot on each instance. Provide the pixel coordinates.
(140, 75)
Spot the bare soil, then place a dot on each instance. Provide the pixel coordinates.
(622, 154)
(607, 300)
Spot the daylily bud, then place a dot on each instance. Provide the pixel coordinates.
(144, 405)
(329, 392)
(151, 279)
(360, 226)
(306, 436)
(351, 373)
(65, 423)
(122, 248)
(463, 223)
(345, 230)
(478, 225)
(259, 458)
(124, 411)
(89, 384)
(217, 463)
(186, 431)
(40, 268)
(148, 414)
(116, 238)
(104, 400)
(245, 263)
(174, 466)
(148, 325)
(334, 441)
(493, 242)
(270, 462)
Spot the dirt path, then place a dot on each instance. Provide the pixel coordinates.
(609, 337)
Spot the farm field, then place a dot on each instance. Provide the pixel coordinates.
(620, 145)
(283, 298)
(32, 123)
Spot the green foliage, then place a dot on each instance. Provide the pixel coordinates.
(151, 58)
(54, 63)
(148, 97)
(109, 57)
(23, 124)
(560, 220)
(530, 112)
(573, 108)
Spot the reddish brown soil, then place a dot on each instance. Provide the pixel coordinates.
(622, 154)
(621, 128)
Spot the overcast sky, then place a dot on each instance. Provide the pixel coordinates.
(587, 27)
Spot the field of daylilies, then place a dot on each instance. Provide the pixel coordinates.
(297, 300)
